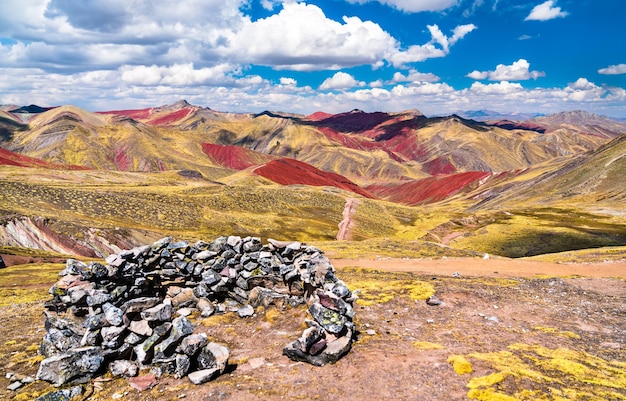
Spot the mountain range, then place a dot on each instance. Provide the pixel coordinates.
(444, 179)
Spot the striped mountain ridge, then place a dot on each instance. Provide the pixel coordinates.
(403, 157)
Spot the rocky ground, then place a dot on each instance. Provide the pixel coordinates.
(494, 336)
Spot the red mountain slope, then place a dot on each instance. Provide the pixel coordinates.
(164, 115)
(431, 189)
(284, 171)
(8, 158)
(287, 171)
(234, 157)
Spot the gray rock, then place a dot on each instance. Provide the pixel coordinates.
(184, 298)
(310, 336)
(140, 304)
(201, 290)
(332, 321)
(251, 244)
(181, 327)
(62, 395)
(140, 327)
(260, 296)
(56, 341)
(98, 270)
(91, 337)
(206, 307)
(245, 311)
(213, 355)
(78, 364)
(124, 368)
(63, 323)
(112, 336)
(161, 313)
(134, 338)
(98, 297)
(331, 353)
(183, 363)
(113, 314)
(204, 375)
(219, 244)
(211, 277)
(186, 311)
(95, 322)
(192, 344)
(233, 241)
(205, 255)
(73, 267)
(14, 386)
(341, 291)
(145, 350)
(433, 301)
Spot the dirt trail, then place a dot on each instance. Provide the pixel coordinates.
(493, 267)
(345, 226)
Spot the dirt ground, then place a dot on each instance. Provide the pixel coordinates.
(506, 330)
(492, 267)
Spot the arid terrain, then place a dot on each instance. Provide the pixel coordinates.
(500, 334)
(489, 257)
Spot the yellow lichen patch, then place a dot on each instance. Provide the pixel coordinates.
(375, 287)
(553, 330)
(487, 381)
(426, 346)
(271, 314)
(489, 395)
(582, 366)
(219, 319)
(522, 372)
(460, 364)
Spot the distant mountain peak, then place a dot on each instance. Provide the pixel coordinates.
(181, 104)
(488, 115)
(31, 109)
(576, 117)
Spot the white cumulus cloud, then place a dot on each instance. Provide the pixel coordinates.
(499, 88)
(518, 71)
(545, 11)
(426, 51)
(341, 80)
(613, 69)
(414, 76)
(301, 37)
(582, 84)
(288, 81)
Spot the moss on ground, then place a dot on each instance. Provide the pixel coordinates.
(534, 372)
(22, 284)
(376, 287)
(542, 231)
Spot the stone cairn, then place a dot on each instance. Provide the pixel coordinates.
(129, 313)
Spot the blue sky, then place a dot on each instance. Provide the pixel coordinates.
(437, 56)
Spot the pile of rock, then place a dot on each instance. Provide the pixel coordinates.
(130, 313)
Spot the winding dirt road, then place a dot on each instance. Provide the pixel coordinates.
(345, 226)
